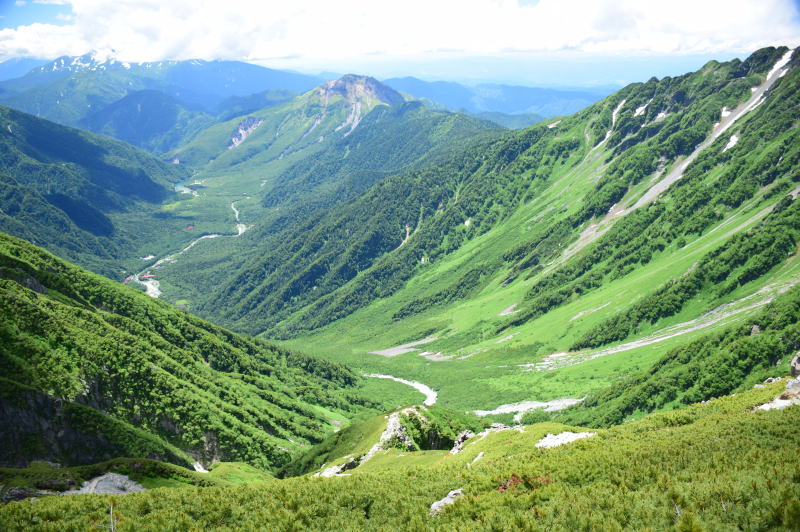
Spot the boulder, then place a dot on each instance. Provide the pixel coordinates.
(794, 365)
(449, 499)
(462, 437)
(792, 390)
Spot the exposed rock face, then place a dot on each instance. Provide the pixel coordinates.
(244, 130)
(792, 390)
(360, 93)
(393, 436)
(109, 484)
(461, 439)
(37, 427)
(794, 365)
(354, 88)
(790, 397)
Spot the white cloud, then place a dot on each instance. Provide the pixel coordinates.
(317, 29)
(20, 3)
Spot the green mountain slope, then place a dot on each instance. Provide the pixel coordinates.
(94, 370)
(515, 121)
(86, 197)
(148, 119)
(551, 262)
(301, 125)
(713, 466)
(117, 98)
(314, 177)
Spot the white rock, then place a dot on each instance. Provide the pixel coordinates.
(554, 440)
(451, 497)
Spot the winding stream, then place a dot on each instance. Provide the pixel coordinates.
(152, 286)
(430, 395)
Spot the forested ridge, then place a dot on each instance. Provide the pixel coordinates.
(353, 255)
(85, 197)
(112, 352)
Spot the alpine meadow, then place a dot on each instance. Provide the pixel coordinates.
(528, 266)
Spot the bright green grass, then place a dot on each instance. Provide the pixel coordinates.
(715, 466)
(236, 473)
(488, 376)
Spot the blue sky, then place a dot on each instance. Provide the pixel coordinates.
(14, 13)
(540, 42)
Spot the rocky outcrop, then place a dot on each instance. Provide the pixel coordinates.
(108, 484)
(38, 427)
(794, 365)
(449, 499)
(244, 130)
(360, 93)
(790, 397)
(461, 439)
(394, 436)
(353, 88)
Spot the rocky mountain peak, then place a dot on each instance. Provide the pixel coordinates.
(354, 88)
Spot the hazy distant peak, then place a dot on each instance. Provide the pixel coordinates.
(97, 60)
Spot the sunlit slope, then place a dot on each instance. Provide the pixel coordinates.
(589, 275)
(300, 125)
(94, 370)
(283, 200)
(534, 193)
(711, 466)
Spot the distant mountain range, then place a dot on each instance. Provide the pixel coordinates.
(496, 98)
(159, 106)
(18, 66)
(153, 105)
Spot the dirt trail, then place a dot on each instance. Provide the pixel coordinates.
(430, 395)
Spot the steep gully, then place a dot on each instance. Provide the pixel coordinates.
(727, 119)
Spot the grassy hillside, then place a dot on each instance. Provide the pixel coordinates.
(299, 189)
(556, 260)
(85, 359)
(712, 466)
(525, 174)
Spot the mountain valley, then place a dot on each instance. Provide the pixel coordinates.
(274, 301)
